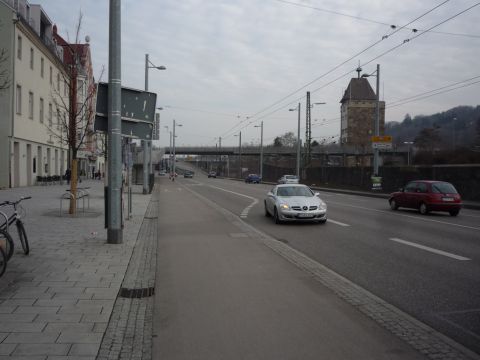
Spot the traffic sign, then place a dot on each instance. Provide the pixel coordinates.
(382, 145)
(382, 139)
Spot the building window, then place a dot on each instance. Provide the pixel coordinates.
(42, 64)
(51, 76)
(31, 58)
(41, 110)
(64, 87)
(19, 100)
(19, 48)
(58, 82)
(50, 114)
(30, 105)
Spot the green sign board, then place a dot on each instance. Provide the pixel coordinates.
(138, 112)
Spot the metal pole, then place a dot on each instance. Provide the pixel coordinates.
(261, 150)
(173, 166)
(377, 122)
(170, 153)
(240, 155)
(298, 143)
(145, 142)
(114, 201)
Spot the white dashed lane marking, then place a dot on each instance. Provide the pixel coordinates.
(432, 250)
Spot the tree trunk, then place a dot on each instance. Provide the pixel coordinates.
(73, 187)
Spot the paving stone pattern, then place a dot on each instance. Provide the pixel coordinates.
(129, 332)
(419, 335)
(56, 302)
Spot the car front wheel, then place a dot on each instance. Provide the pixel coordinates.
(267, 214)
(454, 212)
(423, 209)
(275, 216)
(393, 204)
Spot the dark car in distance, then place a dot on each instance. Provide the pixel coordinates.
(212, 174)
(426, 196)
(188, 174)
(253, 179)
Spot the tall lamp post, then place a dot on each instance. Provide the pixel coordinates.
(114, 195)
(261, 148)
(377, 117)
(169, 149)
(147, 143)
(239, 154)
(409, 143)
(174, 158)
(298, 139)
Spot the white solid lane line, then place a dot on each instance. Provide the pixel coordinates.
(432, 250)
(337, 222)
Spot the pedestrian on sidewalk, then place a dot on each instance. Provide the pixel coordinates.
(68, 174)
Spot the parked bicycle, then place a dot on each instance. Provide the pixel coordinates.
(3, 261)
(15, 217)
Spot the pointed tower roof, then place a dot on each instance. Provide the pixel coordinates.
(358, 89)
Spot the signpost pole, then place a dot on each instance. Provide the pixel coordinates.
(377, 123)
(145, 142)
(114, 221)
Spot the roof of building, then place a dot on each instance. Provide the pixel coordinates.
(358, 89)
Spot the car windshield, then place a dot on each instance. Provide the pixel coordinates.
(443, 188)
(290, 177)
(294, 191)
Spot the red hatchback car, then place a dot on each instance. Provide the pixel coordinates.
(426, 196)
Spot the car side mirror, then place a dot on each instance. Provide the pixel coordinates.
(317, 194)
(269, 193)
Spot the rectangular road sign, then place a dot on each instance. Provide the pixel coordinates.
(382, 139)
(138, 112)
(382, 145)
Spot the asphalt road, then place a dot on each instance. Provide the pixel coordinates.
(427, 266)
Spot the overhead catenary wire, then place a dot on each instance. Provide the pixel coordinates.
(331, 70)
(366, 63)
(316, 8)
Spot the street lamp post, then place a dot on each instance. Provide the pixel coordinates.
(114, 195)
(377, 118)
(174, 158)
(239, 154)
(148, 143)
(409, 143)
(169, 149)
(298, 140)
(261, 148)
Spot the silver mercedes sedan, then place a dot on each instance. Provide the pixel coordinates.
(295, 202)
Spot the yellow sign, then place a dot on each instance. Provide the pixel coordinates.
(382, 139)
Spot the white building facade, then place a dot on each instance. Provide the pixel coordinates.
(28, 150)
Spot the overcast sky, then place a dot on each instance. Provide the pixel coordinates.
(227, 60)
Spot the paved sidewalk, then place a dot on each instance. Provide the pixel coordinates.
(56, 302)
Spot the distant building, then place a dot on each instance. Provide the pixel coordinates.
(34, 66)
(358, 115)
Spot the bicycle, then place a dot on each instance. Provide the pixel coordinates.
(3, 261)
(16, 218)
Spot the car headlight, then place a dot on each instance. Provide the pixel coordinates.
(323, 206)
(284, 206)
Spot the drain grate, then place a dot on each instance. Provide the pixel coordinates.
(136, 293)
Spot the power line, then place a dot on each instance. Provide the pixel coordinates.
(438, 93)
(431, 91)
(370, 20)
(375, 58)
(334, 68)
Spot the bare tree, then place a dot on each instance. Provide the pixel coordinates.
(4, 73)
(78, 101)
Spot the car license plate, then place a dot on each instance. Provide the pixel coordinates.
(447, 199)
(304, 215)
